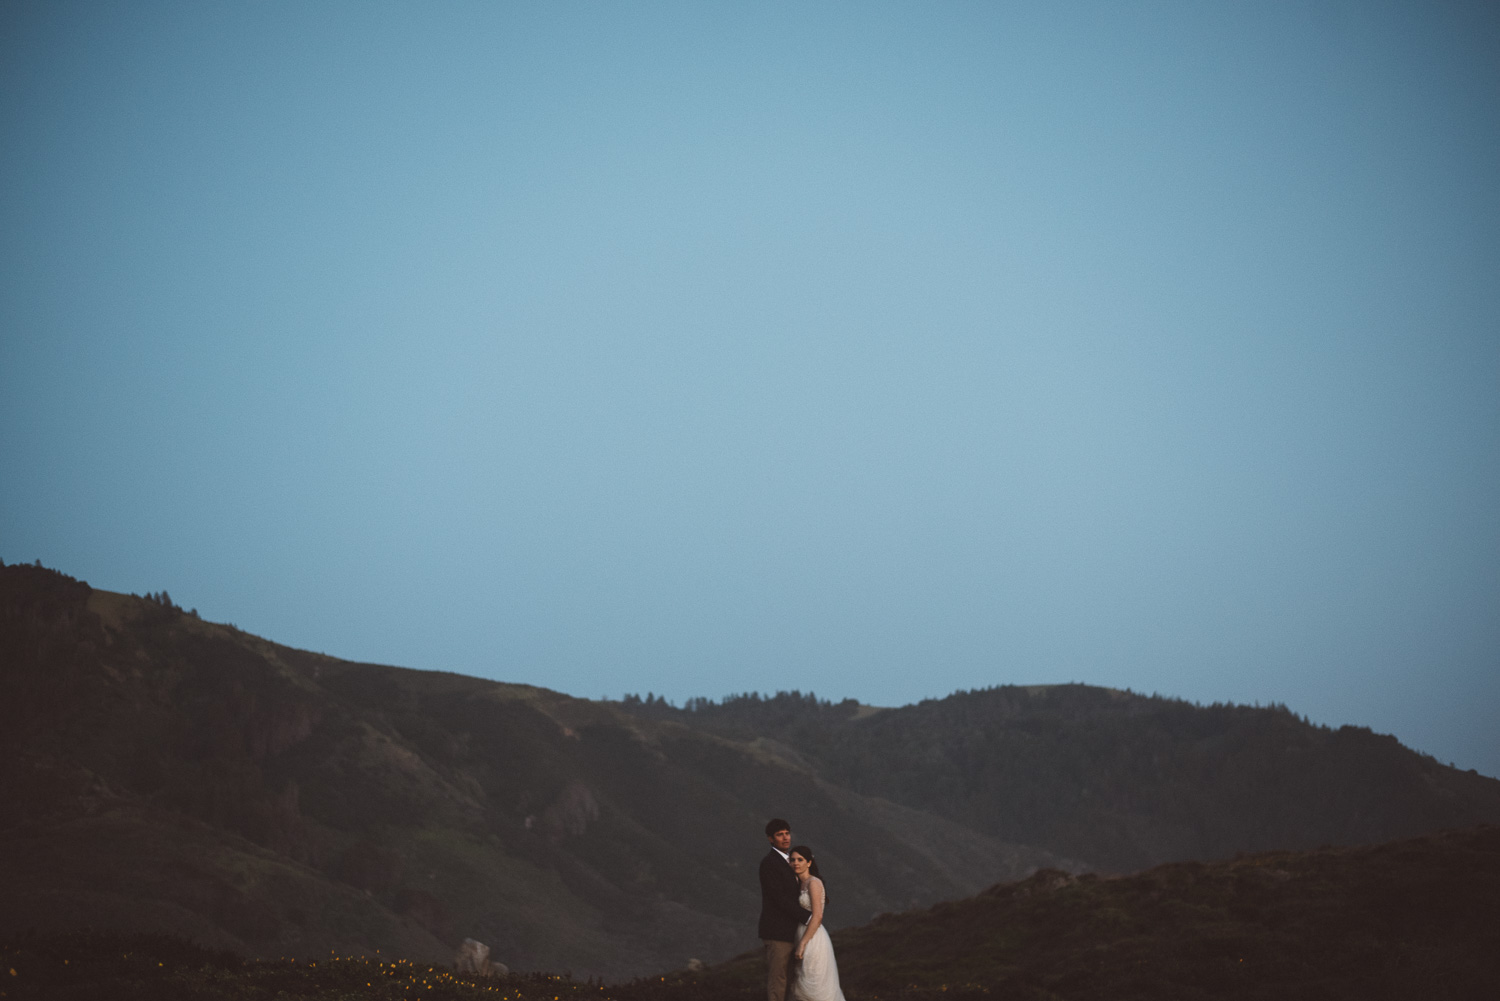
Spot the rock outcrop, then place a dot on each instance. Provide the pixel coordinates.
(473, 957)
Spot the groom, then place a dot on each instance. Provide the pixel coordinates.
(780, 913)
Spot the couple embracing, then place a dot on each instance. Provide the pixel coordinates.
(799, 953)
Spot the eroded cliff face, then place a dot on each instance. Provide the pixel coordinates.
(277, 726)
(569, 815)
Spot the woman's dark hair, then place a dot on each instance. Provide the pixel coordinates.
(806, 852)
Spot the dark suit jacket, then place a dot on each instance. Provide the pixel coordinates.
(780, 914)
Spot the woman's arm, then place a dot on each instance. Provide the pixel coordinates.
(815, 892)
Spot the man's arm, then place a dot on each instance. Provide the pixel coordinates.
(781, 892)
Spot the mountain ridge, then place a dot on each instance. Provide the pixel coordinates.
(283, 801)
(1120, 780)
(166, 770)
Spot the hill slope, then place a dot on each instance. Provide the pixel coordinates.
(1409, 919)
(164, 773)
(1118, 780)
(170, 774)
(1413, 919)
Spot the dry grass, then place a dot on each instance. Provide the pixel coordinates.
(1410, 919)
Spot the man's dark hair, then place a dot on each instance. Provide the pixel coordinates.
(776, 824)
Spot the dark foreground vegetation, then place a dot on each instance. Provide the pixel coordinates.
(129, 967)
(1410, 919)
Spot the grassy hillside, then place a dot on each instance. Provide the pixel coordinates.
(1411, 919)
(166, 774)
(1118, 780)
(169, 774)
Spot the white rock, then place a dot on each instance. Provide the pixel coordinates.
(474, 957)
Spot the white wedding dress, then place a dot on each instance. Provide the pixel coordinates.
(818, 973)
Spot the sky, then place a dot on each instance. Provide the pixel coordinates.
(875, 350)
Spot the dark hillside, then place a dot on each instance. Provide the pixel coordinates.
(1121, 781)
(165, 773)
(161, 773)
(1413, 919)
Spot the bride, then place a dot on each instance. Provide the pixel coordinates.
(817, 977)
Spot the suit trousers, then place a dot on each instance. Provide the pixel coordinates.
(778, 967)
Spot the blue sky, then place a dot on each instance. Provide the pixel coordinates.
(875, 350)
